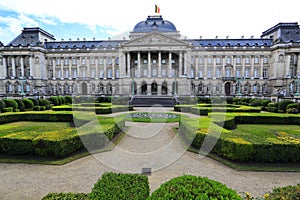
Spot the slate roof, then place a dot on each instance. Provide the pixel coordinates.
(230, 42)
(84, 44)
(154, 23)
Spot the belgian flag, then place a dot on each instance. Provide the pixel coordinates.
(157, 9)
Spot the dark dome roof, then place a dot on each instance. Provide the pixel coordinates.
(155, 23)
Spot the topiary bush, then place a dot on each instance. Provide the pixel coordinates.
(54, 100)
(36, 108)
(28, 103)
(193, 187)
(292, 105)
(2, 105)
(65, 196)
(68, 100)
(288, 192)
(11, 103)
(265, 102)
(8, 109)
(21, 105)
(35, 101)
(283, 105)
(255, 102)
(121, 186)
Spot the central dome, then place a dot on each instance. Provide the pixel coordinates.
(154, 23)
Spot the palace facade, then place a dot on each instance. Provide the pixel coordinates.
(155, 60)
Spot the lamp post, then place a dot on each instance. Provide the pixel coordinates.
(175, 87)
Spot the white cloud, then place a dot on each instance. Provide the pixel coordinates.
(193, 18)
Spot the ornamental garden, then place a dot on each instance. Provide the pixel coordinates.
(249, 134)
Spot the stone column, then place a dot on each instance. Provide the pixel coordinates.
(13, 64)
(149, 66)
(4, 67)
(205, 68)
(234, 66)
(123, 67)
(113, 68)
(298, 65)
(261, 67)
(70, 68)
(22, 66)
(97, 67)
(197, 66)
(180, 64)
(223, 72)
(31, 66)
(77, 69)
(287, 65)
(62, 62)
(185, 65)
(170, 64)
(243, 66)
(88, 67)
(128, 64)
(104, 68)
(139, 65)
(159, 64)
(214, 68)
(252, 67)
(53, 68)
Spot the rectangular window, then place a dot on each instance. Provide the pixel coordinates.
(192, 73)
(109, 73)
(247, 73)
(74, 61)
(117, 73)
(209, 60)
(256, 73)
(93, 74)
(66, 73)
(57, 61)
(228, 60)
(238, 73)
(145, 72)
(145, 61)
(50, 73)
(228, 72)
(266, 60)
(101, 74)
(117, 61)
(58, 73)
(154, 61)
(163, 72)
(154, 72)
(92, 61)
(200, 60)
(265, 73)
(109, 61)
(238, 60)
(256, 60)
(173, 61)
(248, 60)
(209, 73)
(218, 60)
(135, 72)
(217, 88)
(66, 61)
(101, 61)
(200, 74)
(83, 61)
(74, 73)
(163, 61)
(218, 74)
(83, 73)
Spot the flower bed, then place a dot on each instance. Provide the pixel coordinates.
(153, 117)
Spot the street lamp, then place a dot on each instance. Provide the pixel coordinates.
(175, 86)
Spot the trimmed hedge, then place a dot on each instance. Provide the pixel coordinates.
(66, 196)
(54, 100)
(8, 109)
(21, 105)
(28, 103)
(287, 192)
(238, 149)
(2, 105)
(193, 187)
(115, 186)
(283, 105)
(89, 137)
(11, 103)
(34, 101)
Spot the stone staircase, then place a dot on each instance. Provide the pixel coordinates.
(152, 101)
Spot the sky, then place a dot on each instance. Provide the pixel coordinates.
(72, 19)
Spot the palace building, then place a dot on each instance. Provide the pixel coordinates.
(154, 61)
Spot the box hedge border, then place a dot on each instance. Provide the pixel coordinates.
(54, 148)
(243, 151)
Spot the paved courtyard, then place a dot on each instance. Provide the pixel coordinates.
(145, 145)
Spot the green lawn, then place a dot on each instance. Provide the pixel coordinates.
(266, 133)
(37, 130)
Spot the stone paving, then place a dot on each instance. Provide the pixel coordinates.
(145, 145)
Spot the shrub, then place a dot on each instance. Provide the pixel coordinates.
(66, 196)
(21, 105)
(193, 187)
(54, 100)
(292, 105)
(288, 192)
(265, 102)
(2, 105)
(229, 100)
(8, 109)
(129, 186)
(44, 102)
(35, 101)
(28, 103)
(68, 99)
(255, 102)
(292, 110)
(283, 105)
(11, 103)
(61, 100)
(36, 108)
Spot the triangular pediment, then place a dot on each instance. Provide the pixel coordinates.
(155, 39)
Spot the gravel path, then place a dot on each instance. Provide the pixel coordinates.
(145, 145)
